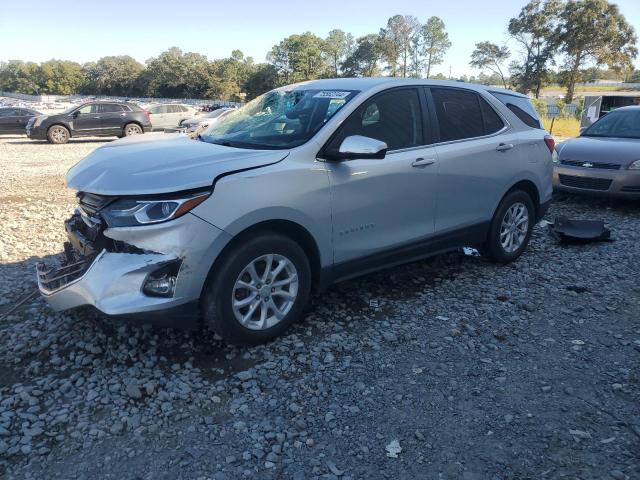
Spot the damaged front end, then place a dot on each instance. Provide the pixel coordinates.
(126, 267)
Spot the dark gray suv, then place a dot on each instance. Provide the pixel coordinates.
(95, 119)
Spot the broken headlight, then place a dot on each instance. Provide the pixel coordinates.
(130, 212)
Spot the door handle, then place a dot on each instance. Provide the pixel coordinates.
(97, 118)
(123, 114)
(423, 162)
(503, 147)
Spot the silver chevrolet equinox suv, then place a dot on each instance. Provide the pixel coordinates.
(304, 186)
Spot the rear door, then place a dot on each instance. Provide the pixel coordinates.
(9, 120)
(382, 204)
(478, 156)
(112, 118)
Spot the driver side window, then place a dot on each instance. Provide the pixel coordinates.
(394, 117)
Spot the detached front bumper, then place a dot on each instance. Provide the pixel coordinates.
(621, 183)
(112, 279)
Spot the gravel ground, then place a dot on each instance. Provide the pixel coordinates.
(451, 368)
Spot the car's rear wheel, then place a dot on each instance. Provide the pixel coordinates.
(511, 227)
(258, 290)
(58, 134)
(132, 129)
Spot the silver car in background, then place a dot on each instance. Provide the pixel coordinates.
(169, 115)
(205, 120)
(306, 185)
(604, 159)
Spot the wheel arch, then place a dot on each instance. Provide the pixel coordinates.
(530, 188)
(288, 228)
(129, 122)
(60, 124)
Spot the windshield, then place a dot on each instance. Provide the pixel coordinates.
(279, 119)
(620, 124)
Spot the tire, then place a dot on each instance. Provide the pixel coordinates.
(131, 129)
(223, 291)
(498, 248)
(58, 134)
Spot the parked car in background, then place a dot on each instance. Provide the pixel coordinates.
(205, 120)
(302, 187)
(14, 120)
(95, 119)
(169, 115)
(604, 159)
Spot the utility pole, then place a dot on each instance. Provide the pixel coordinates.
(449, 72)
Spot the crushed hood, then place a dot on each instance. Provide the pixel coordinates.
(622, 151)
(161, 163)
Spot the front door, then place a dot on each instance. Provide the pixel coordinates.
(379, 204)
(87, 120)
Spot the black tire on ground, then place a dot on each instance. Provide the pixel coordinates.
(218, 292)
(58, 134)
(493, 248)
(131, 129)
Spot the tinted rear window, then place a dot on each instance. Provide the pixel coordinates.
(464, 114)
(521, 107)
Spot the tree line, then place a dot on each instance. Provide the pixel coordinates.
(572, 35)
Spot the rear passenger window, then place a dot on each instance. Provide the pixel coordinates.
(459, 114)
(394, 117)
(110, 108)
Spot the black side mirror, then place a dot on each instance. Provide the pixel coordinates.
(75, 114)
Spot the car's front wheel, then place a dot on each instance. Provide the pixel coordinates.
(258, 290)
(58, 134)
(511, 227)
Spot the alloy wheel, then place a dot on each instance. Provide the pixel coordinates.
(265, 291)
(514, 227)
(59, 135)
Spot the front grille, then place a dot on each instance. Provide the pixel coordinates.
(587, 183)
(583, 164)
(52, 279)
(632, 189)
(91, 203)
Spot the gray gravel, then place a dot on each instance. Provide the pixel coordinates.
(451, 368)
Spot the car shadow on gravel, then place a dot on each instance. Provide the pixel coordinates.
(27, 141)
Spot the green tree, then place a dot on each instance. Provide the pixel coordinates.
(490, 56)
(178, 75)
(19, 76)
(594, 31)
(337, 46)
(116, 75)
(396, 43)
(435, 42)
(298, 57)
(363, 61)
(60, 77)
(534, 29)
(260, 79)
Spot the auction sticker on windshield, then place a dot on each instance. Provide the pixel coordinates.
(331, 94)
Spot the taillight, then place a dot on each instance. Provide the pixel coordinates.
(551, 143)
(146, 114)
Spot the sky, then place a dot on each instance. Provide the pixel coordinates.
(83, 31)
